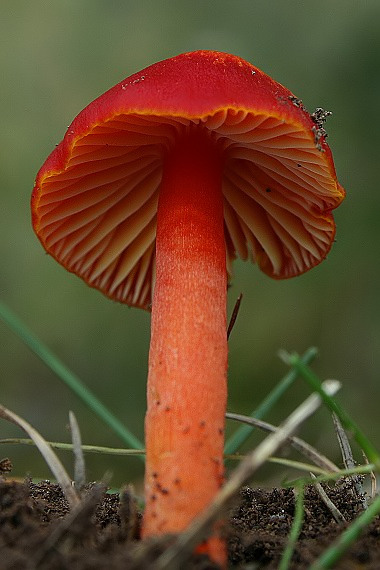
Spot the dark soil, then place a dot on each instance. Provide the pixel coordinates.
(38, 530)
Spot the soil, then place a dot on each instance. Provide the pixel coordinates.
(38, 530)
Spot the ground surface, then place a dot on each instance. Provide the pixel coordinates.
(38, 531)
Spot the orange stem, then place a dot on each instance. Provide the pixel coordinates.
(187, 389)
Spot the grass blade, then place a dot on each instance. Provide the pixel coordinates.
(79, 462)
(243, 432)
(312, 379)
(299, 444)
(348, 537)
(67, 376)
(48, 454)
(69, 447)
(295, 530)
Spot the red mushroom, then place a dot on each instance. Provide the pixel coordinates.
(156, 187)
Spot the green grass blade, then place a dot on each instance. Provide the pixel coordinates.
(348, 423)
(67, 376)
(243, 432)
(339, 547)
(323, 478)
(295, 530)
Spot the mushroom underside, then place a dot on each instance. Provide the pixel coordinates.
(97, 216)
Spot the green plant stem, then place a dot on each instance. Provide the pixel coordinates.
(295, 530)
(68, 377)
(243, 432)
(69, 447)
(303, 370)
(336, 551)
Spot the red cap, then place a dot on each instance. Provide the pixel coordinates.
(95, 198)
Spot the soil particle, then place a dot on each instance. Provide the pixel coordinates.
(319, 117)
(263, 519)
(38, 531)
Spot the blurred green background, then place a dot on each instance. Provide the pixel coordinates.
(55, 57)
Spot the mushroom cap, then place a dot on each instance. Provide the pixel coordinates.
(95, 198)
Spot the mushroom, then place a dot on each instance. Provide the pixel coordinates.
(157, 186)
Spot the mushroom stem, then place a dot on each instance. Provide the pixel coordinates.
(187, 389)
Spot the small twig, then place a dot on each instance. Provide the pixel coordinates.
(338, 516)
(184, 544)
(48, 454)
(234, 315)
(299, 444)
(79, 463)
